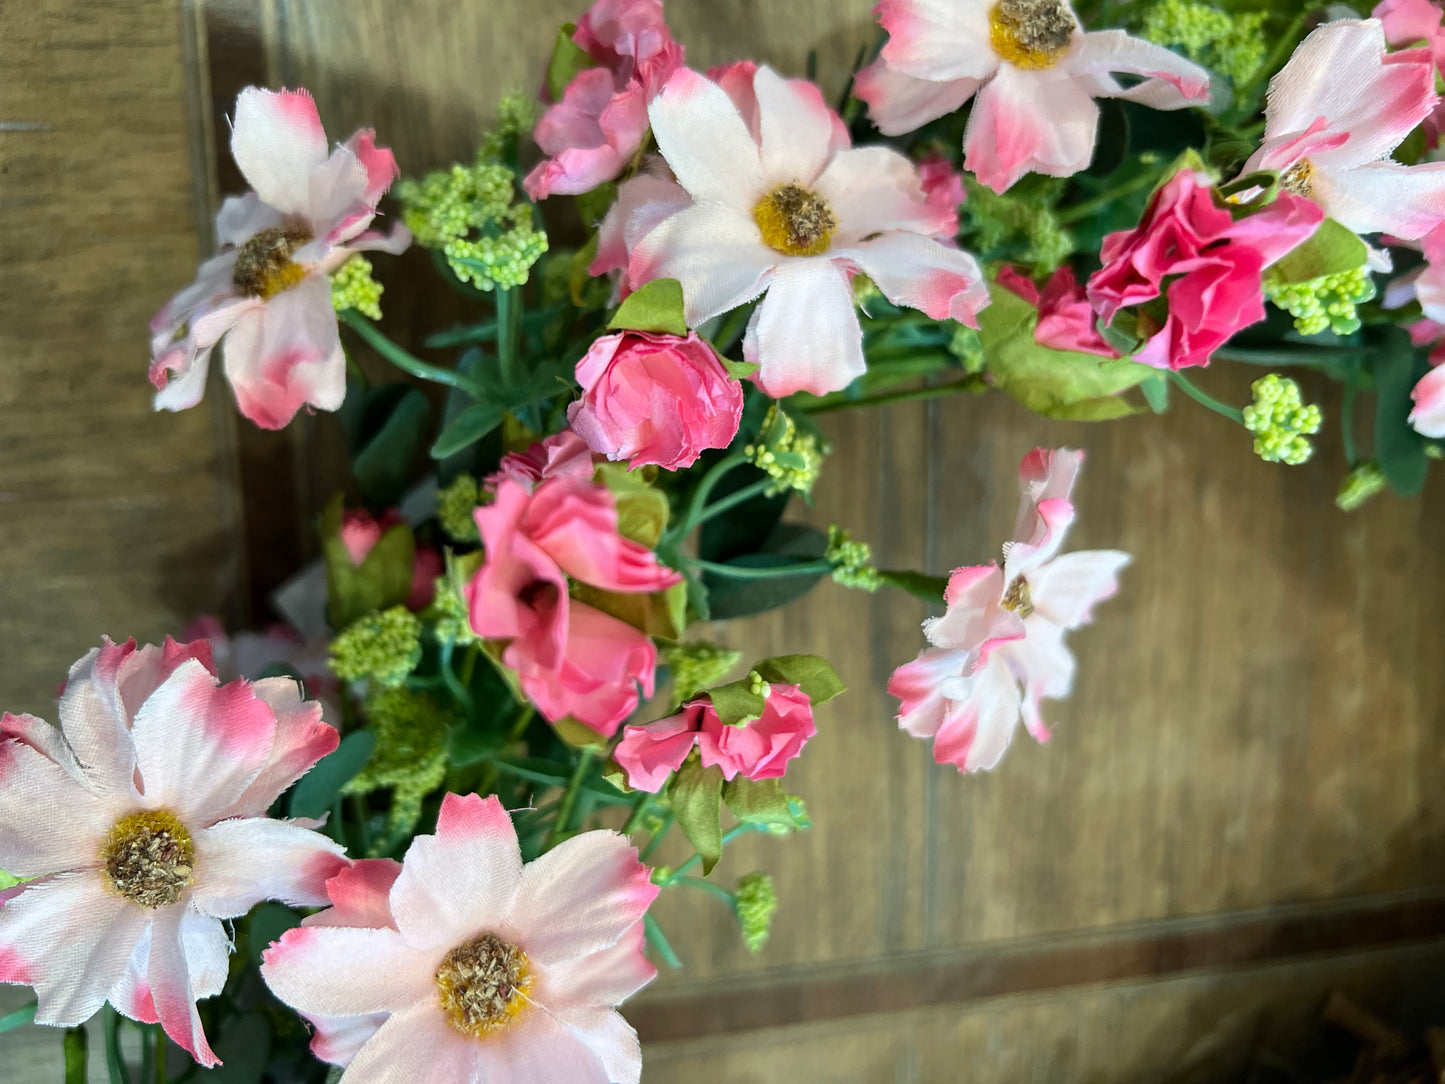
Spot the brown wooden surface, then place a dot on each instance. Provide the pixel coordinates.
(1252, 757)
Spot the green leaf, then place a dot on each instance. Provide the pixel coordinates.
(735, 702)
(759, 802)
(656, 307)
(696, 794)
(468, 427)
(244, 1047)
(266, 924)
(1156, 392)
(19, 1018)
(928, 588)
(734, 597)
(746, 527)
(383, 466)
(738, 370)
(815, 676)
(316, 792)
(1330, 250)
(1399, 449)
(662, 613)
(641, 507)
(383, 578)
(568, 59)
(1049, 382)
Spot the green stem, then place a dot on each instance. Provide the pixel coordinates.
(569, 798)
(704, 488)
(147, 1053)
(378, 341)
(740, 572)
(735, 498)
(161, 1077)
(459, 692)
(509, 310)
(639, 811)
(1103, 199)
(524, 720)
(362, 814)
(658, 941)
(936, 391)
(75, 1055)
(1347, 424)
(114, 1061)
(657, 838)
(354, 368)
(707, 886)
(728, 837)
(1183, 383)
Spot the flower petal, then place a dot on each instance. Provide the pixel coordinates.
(609, 1038)
(795, 127)
(1066, 589)
(348, 971)
(302, 738)
(419, 1036)
(1384, 197)
(918, 685)
(360, 895)
(539, 1049)
(715, 251)
(1428, 415)
(170, 982)
(938, 39)
(899, 103)
(95, 724)
(604, 978)
(873, 189)
(805, 335)
(981, 721)
(705, 142)
(1024, 121)
(1174, 83)
(48, 821)
(277, 140)
(924, 274)
(244, 861)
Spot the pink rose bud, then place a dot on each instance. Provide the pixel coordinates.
(655, 399)
(361, 531)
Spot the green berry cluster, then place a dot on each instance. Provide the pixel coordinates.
(1360, 485)
(967, 347)
(757, 901)
(450, 616)
(1280, 421)
(790, 456)
(410, 755)
(1233, 45)
(697, 666)
(384, 647)
(352, 287)
(455, 504)
(1324, 303)
(852, 561)
(1024, 215)
(514, 117)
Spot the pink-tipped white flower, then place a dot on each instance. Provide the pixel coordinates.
(466, 967)
(999, 649)
(1336, 111)
(773, 200)
(142, 820)
(267, 293)
(1034, 71)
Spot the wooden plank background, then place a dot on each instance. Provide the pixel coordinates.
(1239, 809)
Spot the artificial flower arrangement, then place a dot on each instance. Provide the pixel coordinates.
(419, 846)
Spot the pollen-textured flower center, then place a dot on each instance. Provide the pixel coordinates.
(1018, 598)
(795, 221)
(148, 858)
(482, 985)
(1299, 178)
(263, 264)
(1031, 34)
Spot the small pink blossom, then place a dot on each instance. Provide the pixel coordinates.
(386, 981)
(1204, 261)
(1033, 108)
(760, 749)
(1066, 319)
(592, 134)
(1336, 110)
(769, 199)
(943, 190)
(999, 649)
(655, 399)
(267, 293)
(1408, 23)
(142, 820)
(361, 531)
(570, 658)
(563, 454)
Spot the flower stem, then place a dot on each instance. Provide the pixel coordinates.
(735, 498)
(524, 720)
(707, 886)
(728, 836)
(1183, 383)
(741, 572)
(700, 494)
(459, 692)
(161, 1077)
(114, 1060)
(75, 1055)
(732, 329)
(935, 391)
(656, 939)
(657, 837)
(509, 311)
(378, 341)
(1103, 199)
(1347, 424)
(569, 798)
(639, 811)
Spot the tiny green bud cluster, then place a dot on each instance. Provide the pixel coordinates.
(852, 561)
(967, 347)
(757, 902)
(1360, 485)
(1280, 421)
(697, 666)
(757, 686)
(352, 287)
(455, 504)
(384, 646)
(514, 117)
(450, 616)
(1233, 45)
(1024, 216)
(410, 755)
(790, 456)
(1324, 303)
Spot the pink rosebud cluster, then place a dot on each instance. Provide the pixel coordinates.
(1192, 250)
(598, 126)
(655, 399)
(758, 749)
(570, 658)
(1066, 319)
(361, 531)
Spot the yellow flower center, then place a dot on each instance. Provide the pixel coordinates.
(795, 221)
(263, 264)
(482, 985)
(1299, 178)
(1018, 598)
(1031, 34)
(148, 858)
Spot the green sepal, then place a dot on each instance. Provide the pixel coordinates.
(578, 735)
(759, 802)
(812, 674)
(616, 774)
(641, 507)
(1331, 250)
(920, 584)
(662, 613)
(696, 795)
(735, 702)
(568, 59)
(318, 788)
(655, 307)
(739, 370)
(383, 579)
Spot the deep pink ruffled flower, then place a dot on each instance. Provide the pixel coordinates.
(394, 981)
(142, 820)
(563, 454)
(1211, 261)
(361, 531)
(592, 134)
(1066, 319)
(570, 658)
(267, 293)
(999, 649)
(760, 749)
(1033, 108)
(655, 399)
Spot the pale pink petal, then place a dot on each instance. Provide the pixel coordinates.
(71, 939)
(707, 145)
(606, 977)
(45, 739)
(1174, 83)
(420, 1036)
(973, 613)
(131, 995)
(379, 163)
(873, 189)
(181, 377)
(715, 251)
(94, 721)
(981, 721)
(1428, 415)
(1045, 668)
(899, 103)
(609, 1038)
(360, 895)
(170, 983)
(924, 274)
(1384, 197)
(918, 685)
(641, 204)
(338, 1039)
(805, 334)
(337, 206)
(302, 738)
(794, 126)
(1066, 589)
(538, 1049)
(1029, 122)
(241, 218)
(146, 669)
(938, 39)
(394, 241)
(250, 859)
(51, 822)
(459, 880)
(277, 140)
(350, 970)
(580, 897)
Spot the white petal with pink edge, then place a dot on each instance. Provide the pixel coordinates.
(606, 977)
(982, 718)
(1023, 121)
(707, 145)
(48, 821)
(418, 1037)
(1384, 197)
(1173, 82)
(919, 685)
(277, 140)
(349, 971)
(714, 251)
(873, 189)
(805, 335)
(171, 983)
(609, 1038)
(899, 103)
(539, 1049)
(921, 273)
(302, 738)
(1428, 415)
(1066, 589)
(250, 859)
(939, 39)
(795, 129)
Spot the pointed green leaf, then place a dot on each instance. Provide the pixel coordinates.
(815, 676)
(656, 307)
(568, 59)
(739, 370)
(1399, 449)
(696, 794)
(318, 788)
(759, 802)
(662, 613)
(928, 588)
(735, 702)
(1330, 250)
(468, 427)
(384, 466)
